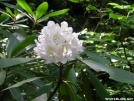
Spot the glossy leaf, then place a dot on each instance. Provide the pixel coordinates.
(97, 58)
(42, 8)
(38, 82)
(64, 93)
(86, 86)
(115, 73)
(16, 94)
(72, 93)
(23, 82)
(43, 97)
(25, 6)
(18, 8)
(12, 42)
(28, 41)
(98, 86)
(67, 93)
(56, 13)
(70, 76)
(4, 63)
(2, 76)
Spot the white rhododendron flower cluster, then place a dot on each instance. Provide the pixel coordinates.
(58, 43)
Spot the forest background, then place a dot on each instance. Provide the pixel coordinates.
(106, 67)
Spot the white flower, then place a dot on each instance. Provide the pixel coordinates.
(58, 43)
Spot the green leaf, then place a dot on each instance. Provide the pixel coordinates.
(25, 6)
(5, 33)
(56, 13)
(2, 76)
(64, 92)
(4, 12)
(16, 94)
(43, 97)
(98, 86)
(9, 11)
(116, 58)
(12, 42)
(115, 73)
(97, 58)
(28, 41)
(108, 38)
(114, 16)
(3, 18)
(38, 83)
(42, 8)
(4, 63)
(67, 93)
(113, 4)
(41, 90)
(86, 87)
(75, 1)
(23, 82)
(70, 76)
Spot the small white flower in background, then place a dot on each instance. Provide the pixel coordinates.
(58, 43)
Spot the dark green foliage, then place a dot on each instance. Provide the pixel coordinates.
(107, 65)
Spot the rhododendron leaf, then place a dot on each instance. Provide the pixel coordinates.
(115, 73)
(28, 41)
(23, 82)
(98, 85)
(4, 63)
(56, 13)
(25, 6)
(42, 8)
(2, 76)
(16, 94)
(42, 97)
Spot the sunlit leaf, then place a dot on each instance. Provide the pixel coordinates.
(56, 13)
(9, 11)
(42, 8)
(25, 6)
